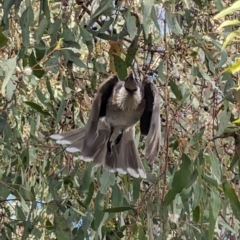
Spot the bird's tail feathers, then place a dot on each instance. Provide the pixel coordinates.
(125, 158)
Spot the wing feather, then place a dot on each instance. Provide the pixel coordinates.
(150, 122)
(99, 108)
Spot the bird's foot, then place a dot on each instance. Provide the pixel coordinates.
(118, 139)
(109, 146)
(110, 143)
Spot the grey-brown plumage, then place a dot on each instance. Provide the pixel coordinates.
(108, 137)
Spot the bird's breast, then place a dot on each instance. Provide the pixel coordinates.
(118, 117)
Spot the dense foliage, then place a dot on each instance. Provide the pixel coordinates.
(54, 54)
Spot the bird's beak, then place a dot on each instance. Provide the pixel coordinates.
(131, 83)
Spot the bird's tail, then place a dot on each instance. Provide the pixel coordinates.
(123, 158)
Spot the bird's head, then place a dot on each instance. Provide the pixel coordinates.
(132, 82)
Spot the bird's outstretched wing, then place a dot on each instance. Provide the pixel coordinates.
(150, 122)
(86, 139)
(99, 109)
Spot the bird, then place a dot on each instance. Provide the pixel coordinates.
(108, 136)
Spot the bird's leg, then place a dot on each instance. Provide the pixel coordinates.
(114, 139)
(109, 143)
(118, 139)
(109, 146)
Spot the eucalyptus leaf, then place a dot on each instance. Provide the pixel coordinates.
(60, 111)
(215, 207)
(8, 66)
(107, 179)
(120, 66)
(41, 29)
(25, 23)
(180, 179)
(3, 120)
(118, 209)
(3, 38)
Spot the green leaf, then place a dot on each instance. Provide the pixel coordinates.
(6, 8)
(11, 87)
(117, 209)
(211, 181)
(196, 214)
(223, 119)
(86, 221)
(180, 179)
(235, 210)
(54, 27)
(3, 38)
(86, 36)
(42, 27)
(5, 191)
(230, 38)
(41, 96)
(216, 170)
(26, 194)
(230, 194)
(88, 177)
(154, 18)
(223, 59)
(131, 24)
(197, 193)
(9, 67)
(37, 108)
(37, 69)
(100, 68)
(61, 228)
(104, 6)
(218, 4)
(76, 60)
(106, 180)
(172, 23)
(49, 88)
(106, 25)
(117, 198)
(28, 227)
(205, 75)
(175, 90)
(48, 225)
(215, 206)
(60, 112)
(234, 68)
(131, 51)
(46, 10)
(26, 21)
(227, 226)
(136, 189)
(229, 10)
(229, 23)
(120, 67)
(90, 194)
(160, 71)
(99, 206)
(19, 213)
(141, 234)
(3, 120)
(52, 64)
(146, 11)
(233, 161)
(192, 178)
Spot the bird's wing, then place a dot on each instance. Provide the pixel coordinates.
(150, 122)
(99, 108)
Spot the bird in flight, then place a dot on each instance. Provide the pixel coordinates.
(108, 137)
